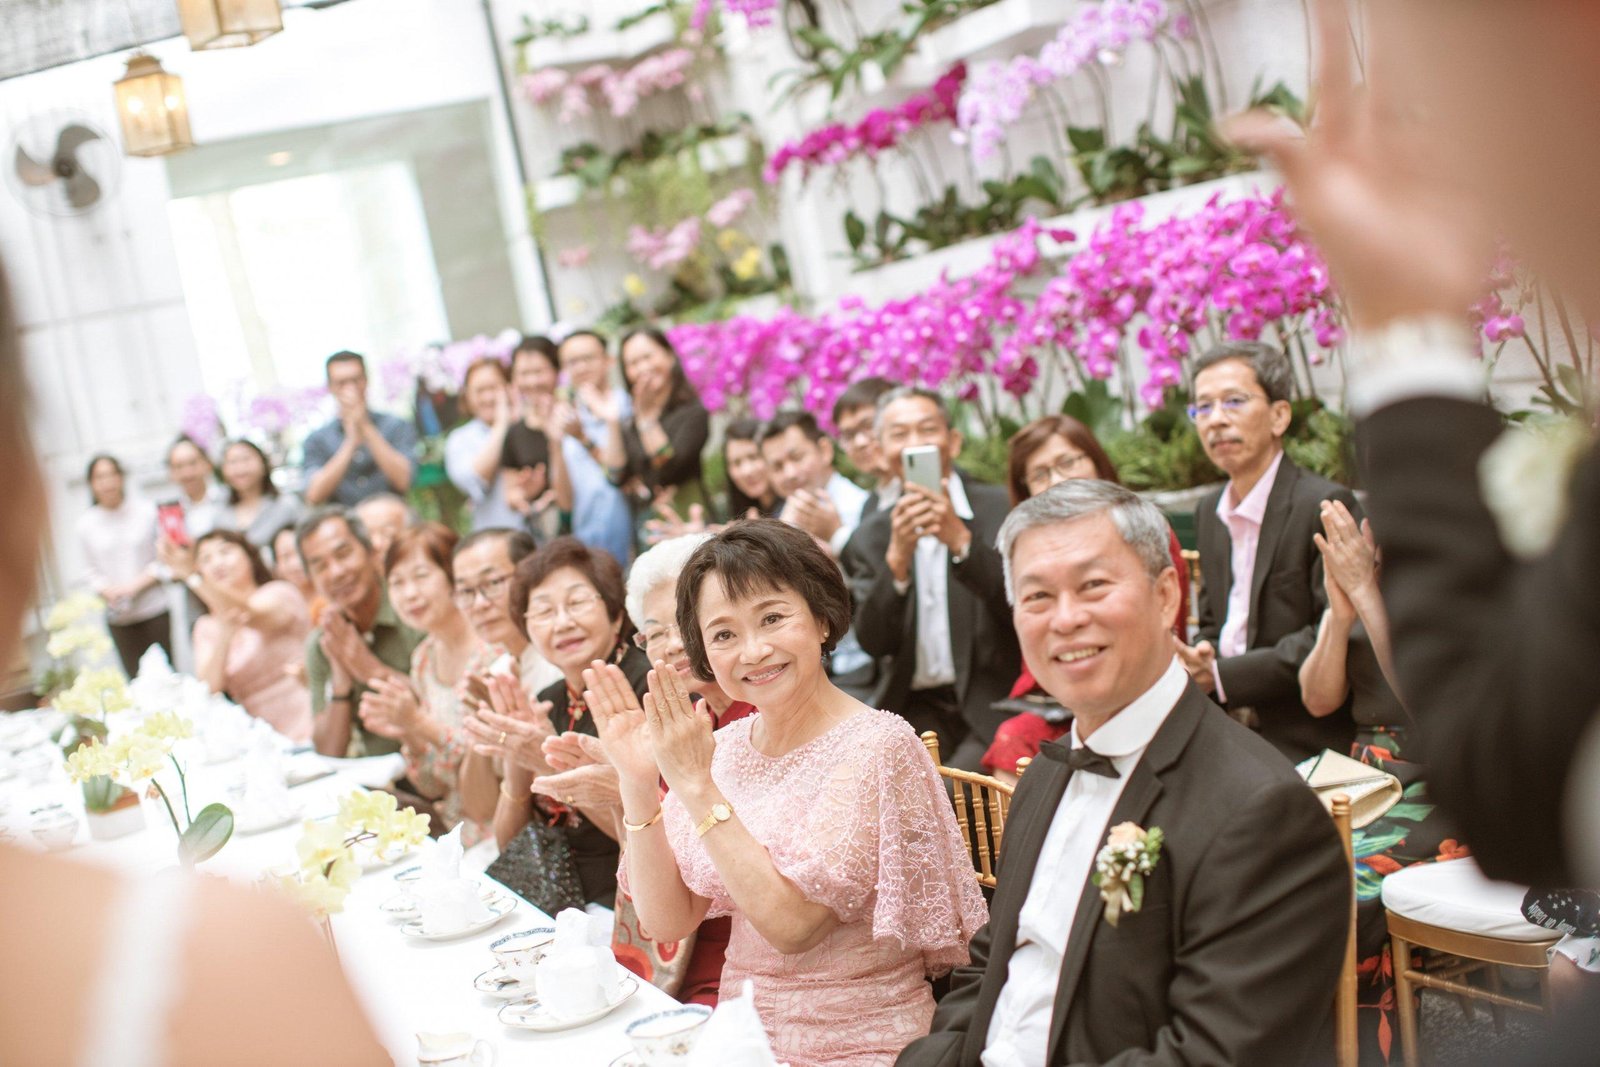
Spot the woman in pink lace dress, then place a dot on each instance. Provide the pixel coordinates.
(425, 713)
(819, 824)
(254, 636)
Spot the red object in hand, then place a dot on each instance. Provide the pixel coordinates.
(170, 517)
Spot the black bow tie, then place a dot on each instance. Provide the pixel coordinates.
(1087, 759)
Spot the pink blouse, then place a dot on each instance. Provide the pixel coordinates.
(859, 821)
(437, 771)
(256, 673)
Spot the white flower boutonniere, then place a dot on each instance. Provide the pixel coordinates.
(1130, 853)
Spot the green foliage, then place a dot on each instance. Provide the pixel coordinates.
(100, 792)
(595, 167)
(1319, 440)
(550, 29)
(205, 835)
(56, 677)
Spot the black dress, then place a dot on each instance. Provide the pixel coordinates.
(594, 853)
(678, 467)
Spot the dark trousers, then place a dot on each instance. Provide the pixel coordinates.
(133, 638)
(938, 710)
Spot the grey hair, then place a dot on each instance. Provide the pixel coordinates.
(907, 392)
(1141, 523)
(1269, 365)
(390, 498)
(320, 516)
(656, 566)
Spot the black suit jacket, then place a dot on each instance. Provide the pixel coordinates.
(1495, 656)
(1235, 954)
(1287, 600)
(987, 659)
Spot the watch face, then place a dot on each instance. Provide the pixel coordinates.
(722, 812)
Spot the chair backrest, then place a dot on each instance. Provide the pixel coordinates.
(1191, 560)
(981, 804)
(1345, 1049)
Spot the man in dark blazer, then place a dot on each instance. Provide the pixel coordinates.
(1254, 636)
(928, 588)
(1232, 954)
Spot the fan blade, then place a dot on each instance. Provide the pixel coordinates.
(31, 171)
(71, 138)
(82, 191)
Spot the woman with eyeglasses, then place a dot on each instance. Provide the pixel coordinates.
(1045, 453)
(569, 599)
(424, 712)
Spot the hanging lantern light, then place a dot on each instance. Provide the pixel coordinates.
(228, 23)
(152, 108)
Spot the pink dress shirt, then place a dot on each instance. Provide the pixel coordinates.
(1244, 530)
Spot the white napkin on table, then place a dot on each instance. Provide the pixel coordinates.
(734, 1036)
(266, 794)
(579, 973)
(225, 728)
(447, 901)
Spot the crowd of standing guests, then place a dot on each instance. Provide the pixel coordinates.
(553, 679)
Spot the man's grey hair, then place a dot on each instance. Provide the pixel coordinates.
(318, 517)
(390, 498)
(1269, 365)
(905, 392)
(656, 566)
(1141, 523)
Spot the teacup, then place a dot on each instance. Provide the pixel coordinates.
(575, 983)
(454, 1050)
(56, 829)
(666, 1038)
(519, 954)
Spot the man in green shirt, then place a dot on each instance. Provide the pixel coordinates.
(360, 638)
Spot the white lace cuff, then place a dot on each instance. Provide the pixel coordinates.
(1429, 356)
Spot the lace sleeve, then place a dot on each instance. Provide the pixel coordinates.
(882, 840)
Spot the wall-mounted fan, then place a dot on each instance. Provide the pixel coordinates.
(61, 163)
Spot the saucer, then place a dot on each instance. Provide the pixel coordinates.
(268, 821)
(499, 908)
(410, 874)
(528, 1015)
(497, 983)
(405, 905)
(628, 1059)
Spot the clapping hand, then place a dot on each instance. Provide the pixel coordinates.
(390, 708)
(602, 403)
(512, 728)
(568, 751)
(1198, 661)
(343, 644)
(814, 513)
(179, 559)
(625, 736)
(681, 736)
(671, 524)
(1349, 560)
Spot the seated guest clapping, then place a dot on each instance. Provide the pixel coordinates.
(819, 824)
(570, 599)
(1230, 952)
(254, 637)
(423, 712)
(358, 640)
(928, 588)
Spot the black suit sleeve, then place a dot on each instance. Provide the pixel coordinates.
(1495, 657)
(687, 427)
(1211, 608)
(1262, 939)
(1270, 676)
(880, 608)
(983, 573)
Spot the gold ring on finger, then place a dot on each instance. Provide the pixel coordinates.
(502, 737)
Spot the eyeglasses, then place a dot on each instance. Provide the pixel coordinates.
(1043, 478)
(489, 590)
(1233, 403)
(852, 434)
(645, 638)
(545, 612)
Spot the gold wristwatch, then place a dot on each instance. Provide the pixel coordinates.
(718, 813)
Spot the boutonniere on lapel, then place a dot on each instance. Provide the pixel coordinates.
(1130, 853)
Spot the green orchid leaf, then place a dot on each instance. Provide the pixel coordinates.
(206, 835)
(1136, 891)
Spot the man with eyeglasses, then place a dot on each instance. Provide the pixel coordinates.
(1262, 594)
(484, 564)
(929, 590)
(855, 414)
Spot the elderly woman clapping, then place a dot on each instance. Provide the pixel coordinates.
(819, 824)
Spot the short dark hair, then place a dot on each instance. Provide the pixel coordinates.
(267, 487)
(479, 364)
(744, 429)
(681, 392)
(784, 421)
(289, 528)
(344, 355)
(519, 543)
(537, 345)
(434, 540)
(317, 518)
(1269, 365)
(1032, 437)
(94, 461)
(913, 392)
(860, 394)
(598, 566)
(185, 439)
(761, 555)
(258, 567)
(605, 342)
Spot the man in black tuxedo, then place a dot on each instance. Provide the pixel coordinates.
(1233, 953)
(928, 587)
(1256, 632)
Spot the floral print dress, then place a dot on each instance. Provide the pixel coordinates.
(437, 770)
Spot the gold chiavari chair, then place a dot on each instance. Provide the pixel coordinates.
(1346, 1052)
(981, 806)
(1191, 560)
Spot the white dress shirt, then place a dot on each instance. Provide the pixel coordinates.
(848, 500)
(1243, 521)
(1019, 1032)
(936, 658)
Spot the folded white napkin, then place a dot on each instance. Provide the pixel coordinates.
(579, 974)
(734, 1036)
(225, 728)
(266, 794)
(447, 901)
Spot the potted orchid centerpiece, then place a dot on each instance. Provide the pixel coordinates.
(326, 852)
(134, 757)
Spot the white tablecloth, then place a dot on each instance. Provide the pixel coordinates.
(408, 985)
